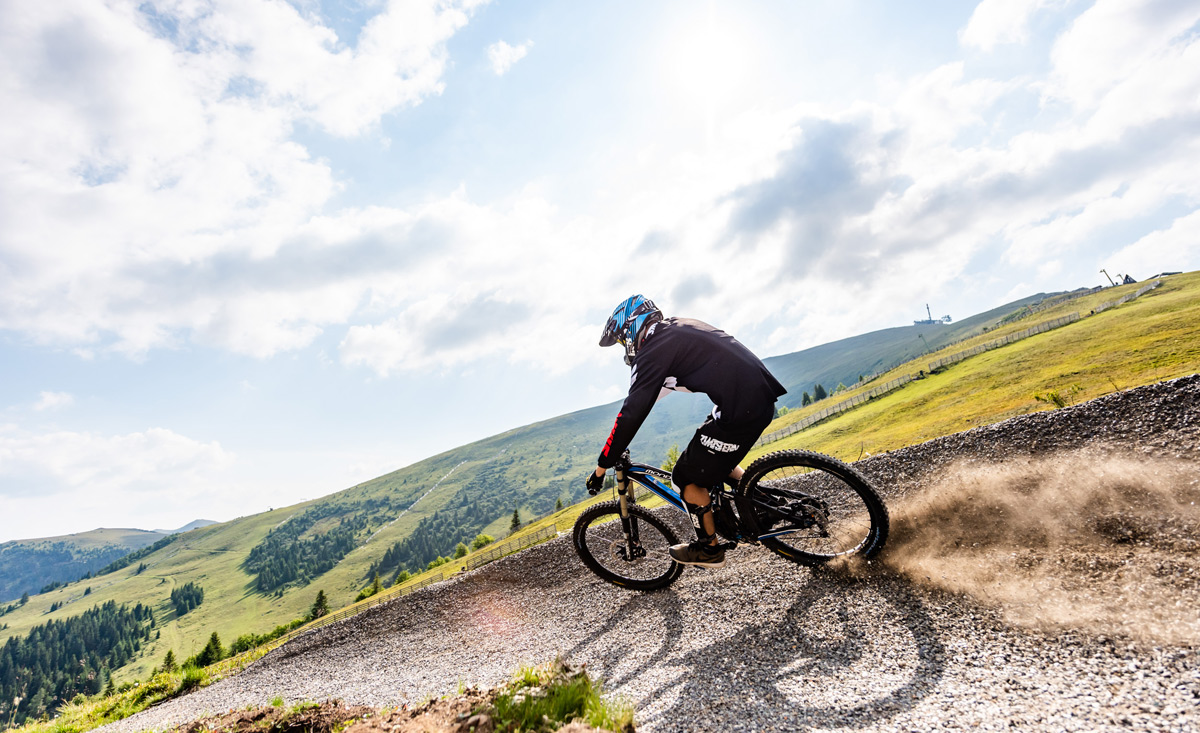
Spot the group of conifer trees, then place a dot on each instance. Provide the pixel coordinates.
(61, 659)
(127, 560)
(186, 597)
(286, 556)
(488, 495)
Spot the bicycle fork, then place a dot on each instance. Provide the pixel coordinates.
(633, 547)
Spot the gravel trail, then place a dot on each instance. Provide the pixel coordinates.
(906, 644)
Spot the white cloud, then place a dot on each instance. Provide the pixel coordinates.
(1167, 250)
(157, 137)
(996, 22)
(502, 56)
(64, 461)
(195, 217)
(64, 481)
(894, 203)
(1115, 42)
(53, 401)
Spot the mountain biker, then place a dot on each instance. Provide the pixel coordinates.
(686, 355)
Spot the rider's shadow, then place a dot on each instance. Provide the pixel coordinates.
(845, 654)
(634, 626)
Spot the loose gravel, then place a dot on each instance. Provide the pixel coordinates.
(763, 644)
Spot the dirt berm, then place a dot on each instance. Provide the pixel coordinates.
(1043, 574)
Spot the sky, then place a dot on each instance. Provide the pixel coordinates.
(253, 252)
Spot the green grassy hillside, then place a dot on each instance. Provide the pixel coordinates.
(26, 566)
(476, 487)
(1147, 340)
(844, 361)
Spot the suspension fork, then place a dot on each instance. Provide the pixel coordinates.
(628, 523)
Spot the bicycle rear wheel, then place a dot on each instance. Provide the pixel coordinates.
(811, 508)
(641, 564)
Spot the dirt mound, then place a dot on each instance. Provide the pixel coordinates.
(537, 699)
(454, 714)
(325, 718)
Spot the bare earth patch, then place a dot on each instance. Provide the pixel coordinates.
(454, 714)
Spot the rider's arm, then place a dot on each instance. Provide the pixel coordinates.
(644, 389)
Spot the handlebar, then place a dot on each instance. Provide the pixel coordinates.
(622, 464)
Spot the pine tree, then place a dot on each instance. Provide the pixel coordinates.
(320, 606)
(516, 521)
(212, 653)
(558, 505)
(805, 400)
(169, 664)
(819, 393)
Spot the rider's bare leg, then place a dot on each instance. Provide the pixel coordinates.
(698, 495)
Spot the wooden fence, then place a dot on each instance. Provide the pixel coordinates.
(838, 408)
(1140, 292)
(500, 549)
(1010, 338)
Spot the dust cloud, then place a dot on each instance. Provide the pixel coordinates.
(1082, 540)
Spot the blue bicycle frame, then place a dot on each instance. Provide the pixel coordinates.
(655, 480)
(658, 482)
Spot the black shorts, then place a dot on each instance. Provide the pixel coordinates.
(715, 450)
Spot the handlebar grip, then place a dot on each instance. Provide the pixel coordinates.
(594, 483)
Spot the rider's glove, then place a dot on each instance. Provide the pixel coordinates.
(594, 483)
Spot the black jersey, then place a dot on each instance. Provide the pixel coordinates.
(686, 355)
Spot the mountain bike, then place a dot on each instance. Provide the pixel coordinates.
(807, 507)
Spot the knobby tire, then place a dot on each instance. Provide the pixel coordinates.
(600, 542)
(824, 508)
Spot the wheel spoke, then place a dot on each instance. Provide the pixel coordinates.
(601, 541)
(813, 508)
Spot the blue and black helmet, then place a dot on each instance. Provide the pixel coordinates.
(628, 323)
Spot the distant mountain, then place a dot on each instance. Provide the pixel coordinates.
(194, 524)
(28, 566)
(846, 360)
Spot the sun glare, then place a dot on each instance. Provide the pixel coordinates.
(706, 61)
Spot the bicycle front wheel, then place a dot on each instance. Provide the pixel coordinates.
(811, 508)
(639, 560)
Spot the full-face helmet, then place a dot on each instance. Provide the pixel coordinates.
(628, 324)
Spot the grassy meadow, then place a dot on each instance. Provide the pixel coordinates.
(1150, 339)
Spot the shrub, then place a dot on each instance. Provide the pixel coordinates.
(556, 694)
(212, 653)
(482, 540)
(192, 678)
